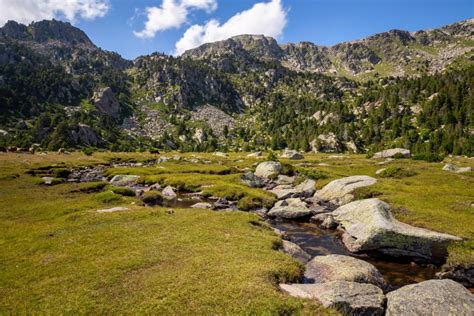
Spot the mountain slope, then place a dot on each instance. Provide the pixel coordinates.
(393, 53)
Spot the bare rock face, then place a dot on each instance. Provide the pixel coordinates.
(339, 191)
(296, 252)
(342, 268)
(106, 102)
(350, 298)
(370, 226)
(268, 168)
(86, 135)
(432, 297)
(392, 152)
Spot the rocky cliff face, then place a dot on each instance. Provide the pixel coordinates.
(393, 53)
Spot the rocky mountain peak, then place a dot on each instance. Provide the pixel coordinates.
(46, 31)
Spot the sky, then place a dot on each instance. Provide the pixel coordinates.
(139, 27)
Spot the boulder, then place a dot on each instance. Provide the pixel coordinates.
(255, 154)
(250, 179)
(306, 188)
(350, 298)
(292, 155)
(202, 205)
(339, 191)
(461, 273)
(105, 101)
(220, 154)
(325, 220)
(282, 179)
(168, 193)
(296, 252)
(283, 191)
(342, 268)
(290, 209)
(123, 180)
(432, 297)
(113, 209)
(48, 180)
(370, 226)
(326, 143)
(455, 169)
(268, 168)
(388, 153)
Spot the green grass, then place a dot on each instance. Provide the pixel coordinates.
(59, 256)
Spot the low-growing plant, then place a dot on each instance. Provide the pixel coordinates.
(429, 157)
(312, 173)
(61, 172)
(272, 156)
(399, 156)
(108, 197)
(396, 172)
(91, 187)
(287, 169)
(152, 198)
(88, 151)
(366, 193)
(123, 191)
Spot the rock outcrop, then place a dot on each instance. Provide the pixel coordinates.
(292, 155)
(370, 226)
(296, 252)
(290, 209)
(389, 153)
(123, 180)
(342, 268)
(268, 168)
(455, 169)
(350, 298)
(432, 297)
(106, 102)
(339, 191)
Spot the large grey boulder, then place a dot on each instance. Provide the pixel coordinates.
(339, 191)
(369, 225)
(284, 191)
(105, 101)
(268, 168)
(432, 297)
(455, 169)
(392, 152)
(342, 268)
(295, 251)
(124, 180)
(292, 155)
(290, 209)
(350, 298)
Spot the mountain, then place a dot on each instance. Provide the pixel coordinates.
(414, 90)
(393, 53)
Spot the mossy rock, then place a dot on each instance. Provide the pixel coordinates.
(125, 191)
(152, 198)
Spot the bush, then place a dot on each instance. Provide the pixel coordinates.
(396, 172)
(287, 169)
(88, 151)
(271, 156)
(154, 151)
(123, 191)
(399, 156)
(61, 173)
(312, 173)
(152, 198)
(429, 157)
(90, 187)
(108, 197)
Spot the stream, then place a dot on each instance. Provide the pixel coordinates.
(318, 242)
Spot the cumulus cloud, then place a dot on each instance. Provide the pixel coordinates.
(266, 18)
(172, 14)
(26, 11)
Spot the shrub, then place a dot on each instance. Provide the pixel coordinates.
(271, 156)
(123, 191)
(287, 169)
(108, 197)
(154, 151)
(152, 198)
(90, 187)
(312, 173)
(396, 172)
(429, 157)
(399, 156)
(61, 172)
(88, 151)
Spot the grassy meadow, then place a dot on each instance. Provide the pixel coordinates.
(59, 256)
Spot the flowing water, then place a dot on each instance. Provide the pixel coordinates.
(319, 242)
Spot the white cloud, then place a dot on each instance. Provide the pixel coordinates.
(172, 14)
(26, 11)
(266, 18)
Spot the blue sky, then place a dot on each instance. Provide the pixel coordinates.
(119, 25)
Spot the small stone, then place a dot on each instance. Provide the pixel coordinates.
(113, 209)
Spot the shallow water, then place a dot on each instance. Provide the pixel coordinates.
(318, 242)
